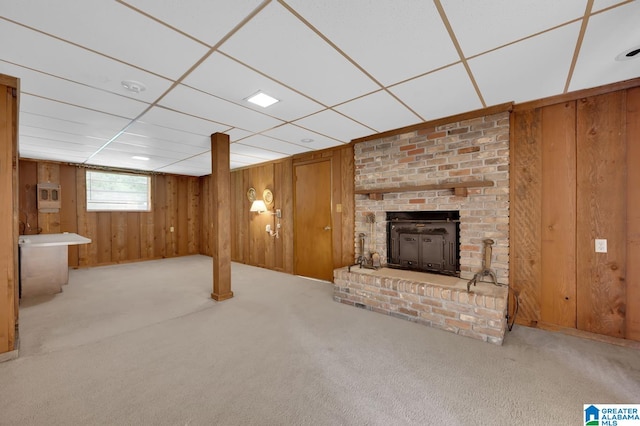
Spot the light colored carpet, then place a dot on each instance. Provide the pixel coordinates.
(143, 343)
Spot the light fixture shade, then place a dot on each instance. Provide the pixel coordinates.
(258, 206)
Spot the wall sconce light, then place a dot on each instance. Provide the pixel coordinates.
(258, 206)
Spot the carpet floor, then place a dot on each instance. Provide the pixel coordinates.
(144, 344)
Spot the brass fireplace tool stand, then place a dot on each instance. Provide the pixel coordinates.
(486, 266)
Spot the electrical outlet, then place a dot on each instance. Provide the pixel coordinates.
(601, 246)
(268, 228)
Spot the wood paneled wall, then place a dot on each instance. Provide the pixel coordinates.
(251, 244)
(574, 171)
(116, 236)
(8, 214)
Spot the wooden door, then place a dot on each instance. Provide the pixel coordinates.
(313, 251)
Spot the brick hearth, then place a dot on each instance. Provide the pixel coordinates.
(435, 300)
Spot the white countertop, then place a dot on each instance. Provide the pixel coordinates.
(45, 240)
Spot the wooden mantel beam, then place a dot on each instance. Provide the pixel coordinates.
(460, 188)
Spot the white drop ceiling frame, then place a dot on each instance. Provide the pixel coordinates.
(341, 70)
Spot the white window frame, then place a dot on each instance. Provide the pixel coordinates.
(105, 196)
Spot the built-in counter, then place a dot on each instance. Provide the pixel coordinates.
(44, 262)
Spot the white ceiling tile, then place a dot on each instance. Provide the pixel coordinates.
(439, 94)
(56, 136)
(182, 168)
(608, 34)
(111, 29)
(197, 165)
(46, 54)
(234, 82)
(114, 158)
(280, 45)
(206, 20)
(50, 145)
(167, 118)
(69, 118)
(251, 151)
(47, 86)
(242, 160)
(271, 144)
(334, 125)
(154, 147)
(237, 134)
(37, 153)
(380, 111)
(209, 107)
(483, 25)
(421, 30)
(520, 72)
(145, 133)
(603, 4)
(298, 135)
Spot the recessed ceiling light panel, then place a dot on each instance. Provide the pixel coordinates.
(262, 99)
(141, 158)
(628, 54)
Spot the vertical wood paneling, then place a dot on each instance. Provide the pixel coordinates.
(558, 248)
(159, 210)
(525, 211)
(285, 185)
(601, 196)
(87, 223)
(28, 197)
(103, 237)
(118, 236)
(205, 215)
(49, 173)
(146, 235)
(8, 218)
(68, 216)
(171, 215)
(348, 206)
(182, 219)
(244, 231)
(132, 236)
(632, 281)
(193, 216)
(238, 199)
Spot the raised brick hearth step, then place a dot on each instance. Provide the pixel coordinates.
(435, 300)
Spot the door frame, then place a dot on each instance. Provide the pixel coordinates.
(331, 201)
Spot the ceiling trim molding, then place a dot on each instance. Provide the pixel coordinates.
(496, 109)
(578, 94)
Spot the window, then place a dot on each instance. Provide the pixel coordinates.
(118, 192)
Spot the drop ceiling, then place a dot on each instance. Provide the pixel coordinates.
(341, 70)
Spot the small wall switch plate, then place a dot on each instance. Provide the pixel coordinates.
(601, 246)
(171, 229)
(268, 228)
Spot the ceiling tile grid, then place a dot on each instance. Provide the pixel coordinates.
(340, 70)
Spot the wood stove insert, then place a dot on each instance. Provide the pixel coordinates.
(427, 241)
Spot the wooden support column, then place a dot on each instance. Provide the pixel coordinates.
(8, 217)
(221, 217)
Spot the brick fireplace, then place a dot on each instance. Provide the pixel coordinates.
(461, 166)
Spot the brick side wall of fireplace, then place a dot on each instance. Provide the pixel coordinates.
(470, 150)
